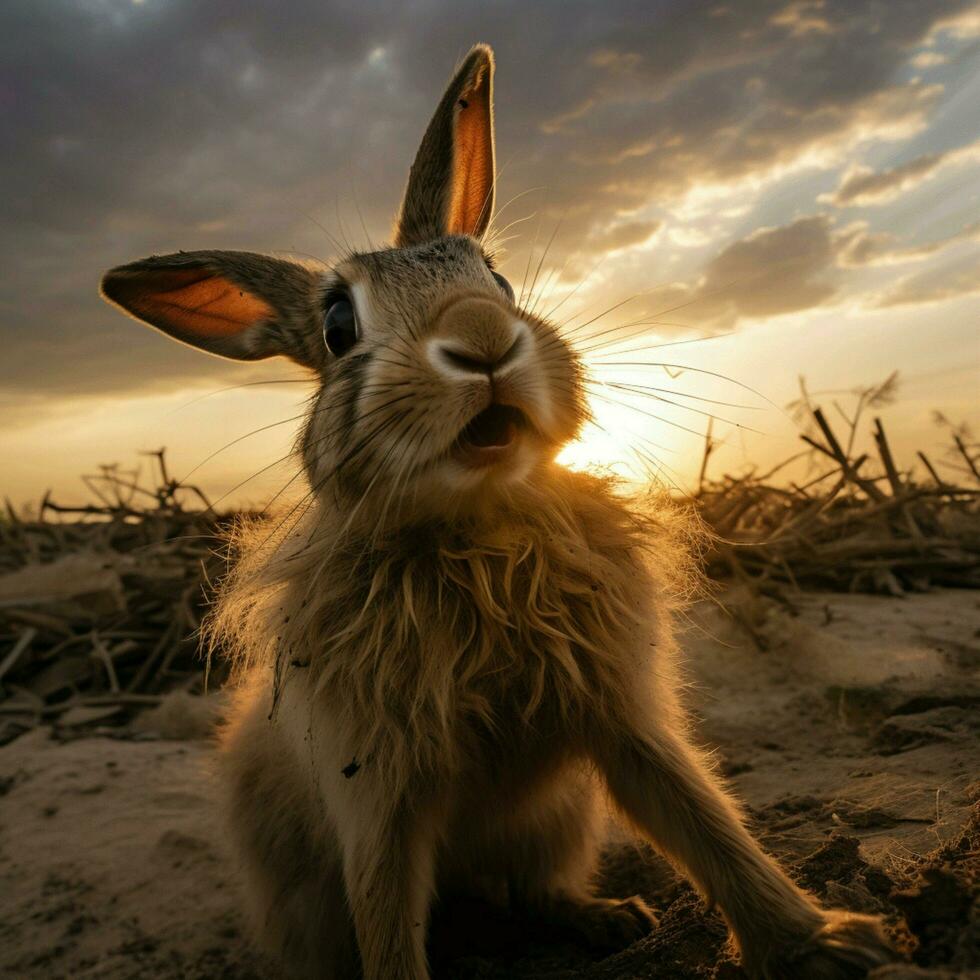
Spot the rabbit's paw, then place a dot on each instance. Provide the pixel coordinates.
(605, 924)
(613, 924)
(846, 947)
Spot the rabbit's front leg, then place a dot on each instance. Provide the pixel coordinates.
(388, 868)
(666, 789)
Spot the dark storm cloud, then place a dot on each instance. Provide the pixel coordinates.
(132, 128)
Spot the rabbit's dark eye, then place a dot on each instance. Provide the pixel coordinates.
(340, 325)
(504, 285)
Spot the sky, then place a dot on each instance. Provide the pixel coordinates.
(714, 199)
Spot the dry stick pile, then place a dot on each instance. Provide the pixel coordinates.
(847, 529)
(100, 604)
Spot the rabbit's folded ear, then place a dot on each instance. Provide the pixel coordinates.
(236, 304)
(451, 184)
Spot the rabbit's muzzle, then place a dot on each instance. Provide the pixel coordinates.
(479, 342)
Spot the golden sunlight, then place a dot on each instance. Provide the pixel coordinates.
(617, 440)
(594, 448)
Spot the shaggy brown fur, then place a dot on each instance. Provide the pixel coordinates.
(451, 650)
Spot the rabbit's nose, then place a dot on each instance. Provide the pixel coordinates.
(449, 356)
(477, 336)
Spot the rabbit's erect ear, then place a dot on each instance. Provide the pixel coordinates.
(236, 304)
(451, 184)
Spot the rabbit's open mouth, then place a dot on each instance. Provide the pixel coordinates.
(490, 434)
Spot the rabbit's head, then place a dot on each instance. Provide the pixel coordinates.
(435, 386)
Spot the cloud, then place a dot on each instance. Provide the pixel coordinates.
(727, 94)
(800, 266)
(861, 186)
(622, 235)
(768, 273)
(142, 128)
(935, 285)
(856, 246)
(929, 59)
(774, 270)
(602, 241)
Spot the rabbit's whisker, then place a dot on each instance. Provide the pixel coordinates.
(569, 331)
(574, 291)
(667, 401)
(541, 261)
(288, 455)
(643, 390)
(341, 248)
(272, 425)
(669, 343)
(246, 384)
(530, 260)
(599, 395)
(658, 418)
(694, 370)
(309, 497)
(588, 343)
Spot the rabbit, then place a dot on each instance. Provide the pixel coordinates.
(453, 652)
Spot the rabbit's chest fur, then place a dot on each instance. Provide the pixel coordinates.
(451, 651)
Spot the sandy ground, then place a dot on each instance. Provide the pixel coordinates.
(853, 740)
